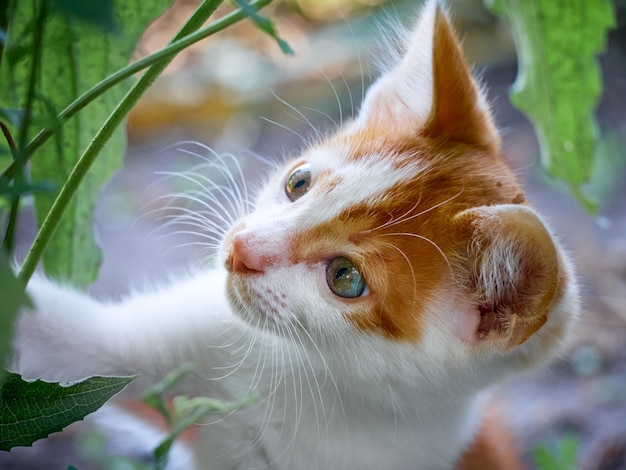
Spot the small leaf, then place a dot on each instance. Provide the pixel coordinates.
(187, 412)
(33, 410)
(171, 380)
(13, 300)
(153, 397)
(544, 458)
(162, 450)
(264, 25)
(563, 457)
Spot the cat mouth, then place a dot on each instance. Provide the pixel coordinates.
(259, 306)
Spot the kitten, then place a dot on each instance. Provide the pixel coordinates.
(386, 277)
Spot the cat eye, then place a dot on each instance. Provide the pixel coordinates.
(299, 182)
(344, 279)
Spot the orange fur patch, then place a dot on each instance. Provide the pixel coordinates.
(493, 447)
(401, 243)
(456, 111)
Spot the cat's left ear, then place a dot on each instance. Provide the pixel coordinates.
(431, 92)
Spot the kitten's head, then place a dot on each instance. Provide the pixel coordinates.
(406, 230)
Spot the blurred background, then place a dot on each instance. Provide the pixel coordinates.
(237, 93)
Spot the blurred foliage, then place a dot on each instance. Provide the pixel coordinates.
(328, 10)
(562, 457)
(559, 84)
(181, 412)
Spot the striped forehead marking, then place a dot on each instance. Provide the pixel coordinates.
(351, 183)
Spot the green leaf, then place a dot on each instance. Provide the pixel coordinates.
(264, 24)
(154, 398)
(98, 12)
(170, 381)
(13, 300)
(75, 56)
(187, 412)
(33, 410)
(558, 84)
(182, 412)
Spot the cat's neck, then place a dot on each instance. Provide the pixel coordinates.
(389, 421)
(373, 391)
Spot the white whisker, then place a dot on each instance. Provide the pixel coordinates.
(299, 113)
(282, 126)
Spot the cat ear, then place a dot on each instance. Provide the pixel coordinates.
(431, 92)
(511, 269)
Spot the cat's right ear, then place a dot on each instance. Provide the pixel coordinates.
(431, 92)
(513, 273)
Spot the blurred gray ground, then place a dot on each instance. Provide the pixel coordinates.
(584, 394)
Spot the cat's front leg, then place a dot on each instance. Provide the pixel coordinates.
(69, 336)
(63, 337)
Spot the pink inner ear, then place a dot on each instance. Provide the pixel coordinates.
(466, 321)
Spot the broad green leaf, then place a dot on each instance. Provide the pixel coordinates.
(558, 84)
(33, 410)
(98, 12)
(75, 56)
(13, 299)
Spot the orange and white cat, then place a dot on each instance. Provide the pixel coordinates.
(385, 278)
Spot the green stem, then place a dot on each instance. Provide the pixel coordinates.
(9, 234)
(68, 190)
(167, 53)
(5, 15)
(19, 154)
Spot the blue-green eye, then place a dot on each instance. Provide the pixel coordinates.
(344, 279)
(299, 182)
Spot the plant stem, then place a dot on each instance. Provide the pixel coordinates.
(166, 53)
(9, 138)
(5, 9)
(19, 153)
(68, 190)
(7, 242)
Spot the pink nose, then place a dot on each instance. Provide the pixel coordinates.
(245, 259)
